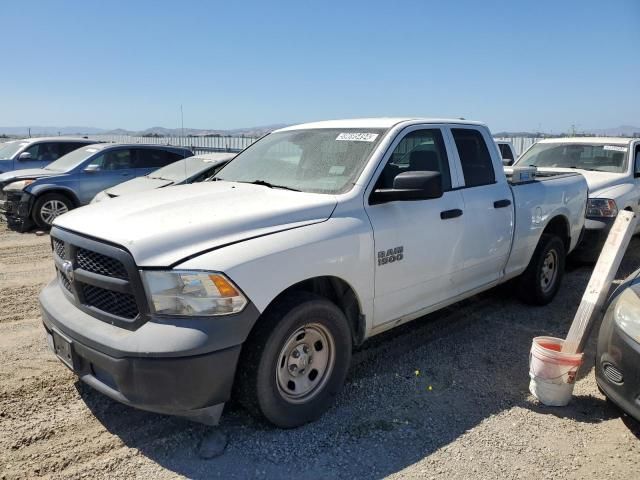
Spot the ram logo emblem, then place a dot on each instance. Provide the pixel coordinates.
(67, 270)
(391, 255)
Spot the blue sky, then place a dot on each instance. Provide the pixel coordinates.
(513, 64)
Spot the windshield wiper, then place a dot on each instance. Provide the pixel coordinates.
(264, 183)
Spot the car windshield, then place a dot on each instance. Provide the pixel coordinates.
(72, 160)
(323, 160)
(9, 149)
(182, 169)
(585, 156)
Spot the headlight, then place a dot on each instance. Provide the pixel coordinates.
(18, 186)
(601, 207)
(192, 293)
(627, 313)
(100, 197)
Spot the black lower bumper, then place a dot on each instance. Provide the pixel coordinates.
(618, 367)
(17, 209)
(193, 387)
(592, 241)
(171, 366)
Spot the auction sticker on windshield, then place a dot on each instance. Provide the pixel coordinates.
(357, 137)
(615, 148)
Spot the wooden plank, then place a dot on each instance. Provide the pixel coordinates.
(601, 278)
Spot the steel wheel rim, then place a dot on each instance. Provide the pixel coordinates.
(52, 209)
(305, 363)
(549, 271)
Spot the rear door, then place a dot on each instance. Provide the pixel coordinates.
(488, 209)
(417, 243)
(109, 168)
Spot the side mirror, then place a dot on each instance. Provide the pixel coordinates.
(92, 168)
(408, 186)
(507, 162)
(25, 156)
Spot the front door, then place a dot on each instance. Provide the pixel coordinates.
(106, 170)
(417, 243)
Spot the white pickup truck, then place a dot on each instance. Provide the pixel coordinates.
(312, 240)
(611, 167)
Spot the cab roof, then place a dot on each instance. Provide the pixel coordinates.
(382, 122)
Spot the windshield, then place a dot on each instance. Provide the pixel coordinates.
(72, 160)
(182, 169)
(322, 160)
(585, 156)
(9, 149)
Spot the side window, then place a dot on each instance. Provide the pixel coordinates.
(69, 147)
(45, 152)
(152, 158)
(474, 157)
(637, 159)
(420, 150)
(505, 151)
(113, 160)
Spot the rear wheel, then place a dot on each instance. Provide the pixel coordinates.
(295, 361)
(540, 281)
(48, 207)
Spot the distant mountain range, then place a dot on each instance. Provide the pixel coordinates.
(621, 131)
(154, 131)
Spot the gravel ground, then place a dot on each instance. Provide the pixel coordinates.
(443, 397)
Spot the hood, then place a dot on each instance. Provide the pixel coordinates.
(140, 184)
(596, 181)
(164, 226)
(26, 173)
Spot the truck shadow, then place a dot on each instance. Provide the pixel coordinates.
(410, 392)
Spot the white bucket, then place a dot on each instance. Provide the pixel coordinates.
(552, 372)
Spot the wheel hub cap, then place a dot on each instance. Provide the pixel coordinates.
(549, 271)
(305, 363)
(52, 209)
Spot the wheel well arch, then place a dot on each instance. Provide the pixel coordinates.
(559, 225)
(338, 291)
(59, 191)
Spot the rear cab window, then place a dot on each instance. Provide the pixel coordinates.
(475, 159)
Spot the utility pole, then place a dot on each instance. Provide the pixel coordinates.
(182, 120)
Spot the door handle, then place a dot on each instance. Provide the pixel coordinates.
(456, 212)
(501, 203)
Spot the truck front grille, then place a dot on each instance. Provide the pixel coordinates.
(58, 247)
(115, 303)
(101, 264)
(99, 278)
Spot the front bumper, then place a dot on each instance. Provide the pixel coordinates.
(618, 367)
(168, 366)
(16, 206)
(595, 234)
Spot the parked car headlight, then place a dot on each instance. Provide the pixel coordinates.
(18, 186)
(100, 196)
(627, 313)
(192, 293)
(601, 207)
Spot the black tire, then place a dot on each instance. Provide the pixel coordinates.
(39, 215)
(257, 384)
(530, 284)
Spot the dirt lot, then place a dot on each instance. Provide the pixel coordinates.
(466, 414)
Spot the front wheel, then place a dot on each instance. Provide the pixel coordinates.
(295, 361)
(541, 280)
(48, 207)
